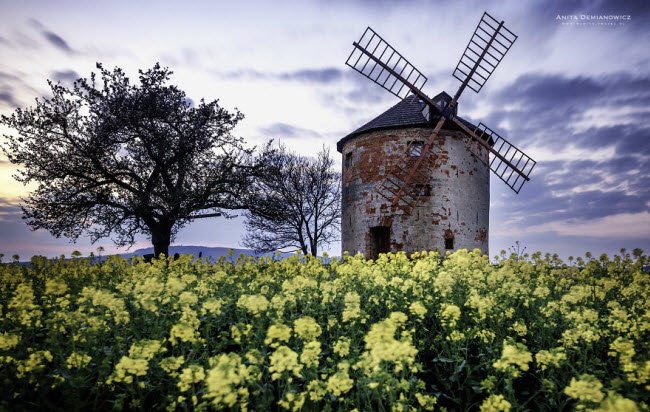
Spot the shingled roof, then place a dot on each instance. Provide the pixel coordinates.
(403, 114)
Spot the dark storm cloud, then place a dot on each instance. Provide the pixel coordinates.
(367, 92)
(65, 76)
(540, 91)
(549, 197)
(537, 204)
(637, 8)
(325, 75)
(543, 110)
(57, 41)
(9, 99)
(10, 83)
(287, 131)
(9, 212)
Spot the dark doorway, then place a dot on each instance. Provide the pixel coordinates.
(379, 241)
(449, 243)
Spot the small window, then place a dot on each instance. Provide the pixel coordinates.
(449, 244)
(442, 103)
(415, 149)
(348, 160)
(423, 190)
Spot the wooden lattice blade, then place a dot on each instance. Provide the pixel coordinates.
(410, 175)
(374, 58)
(486, 48)
(510, 164)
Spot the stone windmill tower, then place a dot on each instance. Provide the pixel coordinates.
(417, 176)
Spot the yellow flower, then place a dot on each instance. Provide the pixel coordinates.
(224, 378)
(188, 298)
(398, 318)
(616, 403)
(293, 402)
(183, 332)
(212, 306)
(317, 390)
(190, 375)
(108, 300)
(35, 363)
(426, 401)
(450, 314)
(8, 341)
(495, 403)
(309, 355)
(352, 306)
(235, 333)
(541, 292)
(254, 356)
(22, 307)
(279, 332)
(553, 358)
(587, 388)
(514, 355)
(382, 346)
(171, 364)
(146, 349)
(418, 309)
(284, 359)
(455, 336)
(55, 287)
(520, 329)
(255, 304)
(342, 347)
(128, 366)
(340, 382)
(78, 360)
(174, 286)
(307, 328)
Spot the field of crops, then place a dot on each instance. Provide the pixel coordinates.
(397, 334)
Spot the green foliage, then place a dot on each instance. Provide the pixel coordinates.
(396, 333)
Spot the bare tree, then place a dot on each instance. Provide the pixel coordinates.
(296, 204)
(113, 159)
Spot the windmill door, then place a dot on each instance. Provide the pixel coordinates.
(379, 241)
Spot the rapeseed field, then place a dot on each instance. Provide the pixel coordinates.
(399, 333)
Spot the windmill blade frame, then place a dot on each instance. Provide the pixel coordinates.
(509, 151)
(395, 73)
(482, 56)
(366, 62)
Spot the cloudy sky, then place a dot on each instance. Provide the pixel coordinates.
(574, 94)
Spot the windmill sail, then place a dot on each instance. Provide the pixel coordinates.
(373, 57)
(486, 48)
(511, 164)
(377, 60)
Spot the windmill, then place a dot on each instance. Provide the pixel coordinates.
(377, 60)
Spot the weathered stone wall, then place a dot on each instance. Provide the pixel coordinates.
(458, 207)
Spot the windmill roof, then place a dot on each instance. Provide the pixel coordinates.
(403, 114)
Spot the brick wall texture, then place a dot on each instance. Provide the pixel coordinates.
(458, 208)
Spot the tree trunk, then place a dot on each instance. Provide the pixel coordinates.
(161, 236)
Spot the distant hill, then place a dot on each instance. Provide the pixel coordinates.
(206, 252)
(212, 253)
